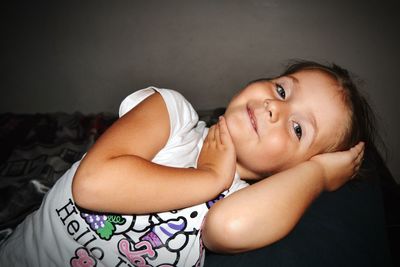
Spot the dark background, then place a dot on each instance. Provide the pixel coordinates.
(88, 55)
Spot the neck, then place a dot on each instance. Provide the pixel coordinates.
(247, 174)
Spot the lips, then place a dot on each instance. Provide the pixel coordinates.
(252, 118)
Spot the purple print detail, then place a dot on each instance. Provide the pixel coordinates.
(165, 231)
(179, 227)
(153, 239)
(161, 233)
(213, 201)
(94, 220)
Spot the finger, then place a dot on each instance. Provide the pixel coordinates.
(359, 147)
(360, 154)
(357, 157)
(216, 134)
(356, 169)
(355, 172)
(360, 157)
(211, 133)
(358, 162)
(226, 138)
(355, 151)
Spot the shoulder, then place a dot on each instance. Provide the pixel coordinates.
(181, 112)
(171, 98)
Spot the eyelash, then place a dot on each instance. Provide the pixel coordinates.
(280, 91)
(298, 131)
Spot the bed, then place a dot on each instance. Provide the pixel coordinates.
(346, 228)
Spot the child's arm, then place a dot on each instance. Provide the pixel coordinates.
(117, 174)
(269, 209)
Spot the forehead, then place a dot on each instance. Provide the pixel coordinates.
(321, 96)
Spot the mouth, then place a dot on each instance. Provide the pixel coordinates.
(252, 118)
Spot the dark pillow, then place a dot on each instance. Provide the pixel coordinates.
(341, 228)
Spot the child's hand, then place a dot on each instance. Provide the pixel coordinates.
(218, 154)
(340, 167)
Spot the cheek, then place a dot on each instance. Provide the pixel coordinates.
(275, 147)
(237, 125)
(272, 154)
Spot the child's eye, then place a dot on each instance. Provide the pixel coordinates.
(281, 91)
(297, 130)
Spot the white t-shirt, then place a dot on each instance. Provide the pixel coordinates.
(61, 234)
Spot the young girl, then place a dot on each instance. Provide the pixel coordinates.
(140, 195)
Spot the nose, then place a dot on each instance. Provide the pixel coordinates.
(275, 109)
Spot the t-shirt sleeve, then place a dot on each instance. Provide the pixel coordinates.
(181, 113)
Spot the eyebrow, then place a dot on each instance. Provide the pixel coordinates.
(310, 116)
(294, 79)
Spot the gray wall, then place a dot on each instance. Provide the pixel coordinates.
(87, 55)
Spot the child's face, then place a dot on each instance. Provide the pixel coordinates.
(279, 123)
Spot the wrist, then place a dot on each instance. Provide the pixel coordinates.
(317, 173)
(214, 180)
